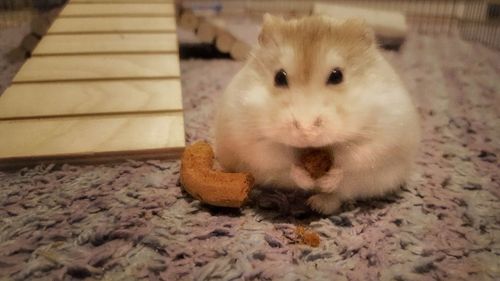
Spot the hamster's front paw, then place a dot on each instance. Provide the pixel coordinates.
(324, 203)
(329, 182)
(301, 177)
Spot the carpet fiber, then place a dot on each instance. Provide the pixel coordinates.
(132, 221)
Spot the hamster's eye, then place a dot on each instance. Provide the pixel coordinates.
(280, 79)
(335, 77)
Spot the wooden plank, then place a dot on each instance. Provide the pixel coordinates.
(189, 20)
(232, 34)
(206, 32)
(95, 97)
(98, 67)
(172, 153)
(122, 1)
(112, 25)
(386, 24)
(127, 9)
(235, 35)
(80, 136)
(106, 43)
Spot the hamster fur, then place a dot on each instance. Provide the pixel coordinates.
(368, 120)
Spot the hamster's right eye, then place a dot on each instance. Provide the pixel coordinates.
(280, 79)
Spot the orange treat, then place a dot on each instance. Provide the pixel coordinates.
(209, 186)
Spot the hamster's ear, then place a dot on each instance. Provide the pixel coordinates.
(268, 34)
(360, 28)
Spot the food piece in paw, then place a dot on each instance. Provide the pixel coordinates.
(209, 186)
(316, 161)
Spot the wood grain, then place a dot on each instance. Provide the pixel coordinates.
(106, 43)
(112, 25)
(80, 136)
(102, 85)
(95, 97)
(61, 68)
(122, 1)
(121, 9)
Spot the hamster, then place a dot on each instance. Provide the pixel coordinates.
(318, 82)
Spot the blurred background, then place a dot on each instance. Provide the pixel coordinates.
(228, 29)
(476, 20)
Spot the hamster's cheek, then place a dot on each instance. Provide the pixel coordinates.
(256, 97)
(338, 126)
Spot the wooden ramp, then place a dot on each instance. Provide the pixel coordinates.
(102, 84)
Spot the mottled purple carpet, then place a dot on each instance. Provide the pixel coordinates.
(131, 221)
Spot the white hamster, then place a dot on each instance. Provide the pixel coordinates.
(318, 82)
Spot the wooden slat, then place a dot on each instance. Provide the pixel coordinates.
(60, 68)
(127, 9)
(96, 97)
(112, 24)
(80, 136)
(122, 1)
(106, 43)
(386, 24)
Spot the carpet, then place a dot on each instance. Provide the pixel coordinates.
(132, 220)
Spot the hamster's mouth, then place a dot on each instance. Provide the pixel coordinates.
(307, 144)
(299, 150)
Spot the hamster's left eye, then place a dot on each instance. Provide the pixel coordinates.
(336, 77)
(281, 79)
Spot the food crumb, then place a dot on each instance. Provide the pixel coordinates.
(307, 237)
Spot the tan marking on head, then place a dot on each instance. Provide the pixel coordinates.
(307, 44)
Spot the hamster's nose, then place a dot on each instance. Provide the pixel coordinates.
(296, 124)
(318, 122)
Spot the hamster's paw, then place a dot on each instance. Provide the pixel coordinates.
(301, 177)
(324, 203)
(329, 182)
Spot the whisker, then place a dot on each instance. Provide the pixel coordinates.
(260, 62)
